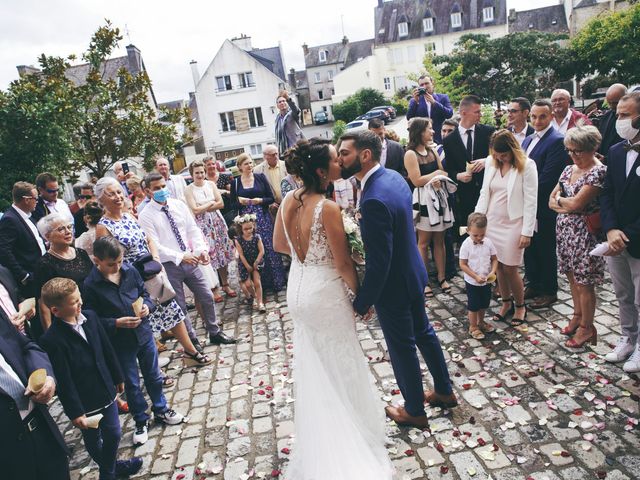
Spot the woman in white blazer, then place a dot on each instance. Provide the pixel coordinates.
(509, 198)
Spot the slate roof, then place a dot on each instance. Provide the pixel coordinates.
(301, 80)
(591, 3)
(388, 14)
(546, 19)
(270, 58)
(358, 50)
(346, 54)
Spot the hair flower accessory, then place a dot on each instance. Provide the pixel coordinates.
(247, 217)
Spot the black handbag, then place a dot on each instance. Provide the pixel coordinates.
(147, 267)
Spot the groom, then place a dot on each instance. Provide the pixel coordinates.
(395, 278)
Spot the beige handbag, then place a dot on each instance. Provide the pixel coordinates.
(160, 289)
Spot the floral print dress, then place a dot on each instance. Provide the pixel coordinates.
(134, 241)
(574, 241)
(250, 251)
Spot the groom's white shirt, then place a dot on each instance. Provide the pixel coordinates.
(367, 175)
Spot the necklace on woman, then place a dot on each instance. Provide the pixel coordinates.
(61, 256)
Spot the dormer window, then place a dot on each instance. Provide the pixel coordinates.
(403, 29)
(322, 55)
(427, 25)
(487, 14)
(456, 19)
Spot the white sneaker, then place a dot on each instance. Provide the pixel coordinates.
(163, 361)
(140, 435)
(632, 365)
(170, 417)
(623, 349)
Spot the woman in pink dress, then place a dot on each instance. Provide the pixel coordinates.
(509, 198)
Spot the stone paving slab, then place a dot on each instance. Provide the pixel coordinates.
(530, 408)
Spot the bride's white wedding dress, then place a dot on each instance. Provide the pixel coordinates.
(339, 421)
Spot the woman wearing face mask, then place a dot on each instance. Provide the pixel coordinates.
(124, 227)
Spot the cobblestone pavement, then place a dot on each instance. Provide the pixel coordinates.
(530, 409)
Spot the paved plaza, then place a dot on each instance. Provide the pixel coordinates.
(530, 408)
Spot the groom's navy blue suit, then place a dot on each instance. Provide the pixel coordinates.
(394, 283)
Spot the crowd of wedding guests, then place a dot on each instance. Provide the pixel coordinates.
(97, 284)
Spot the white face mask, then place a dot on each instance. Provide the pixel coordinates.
(625, 129)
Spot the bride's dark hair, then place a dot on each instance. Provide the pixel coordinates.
(304, 158)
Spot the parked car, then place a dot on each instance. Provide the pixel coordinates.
(186, 175)
(388, 108)
(381, 114)
(320, 117)
(358, 125)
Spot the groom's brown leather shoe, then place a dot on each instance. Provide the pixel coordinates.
(436, 399)
(402, 418)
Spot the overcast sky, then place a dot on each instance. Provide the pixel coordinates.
(171, 34)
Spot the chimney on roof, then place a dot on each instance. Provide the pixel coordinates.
(292, 79)
(305, 48)
(195, 74)
(380, 2)
(513, 15)
(243, 41)
(135, 59)
(26, 70)
(345, 40)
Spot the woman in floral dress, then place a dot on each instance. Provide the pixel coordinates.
(205, 202)
(124, 227)
(575, 199)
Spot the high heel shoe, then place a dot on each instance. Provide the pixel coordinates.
(571, 328)
(503, 318)
(516, 321)
(195, 359)
(446, 289)
(592, 339)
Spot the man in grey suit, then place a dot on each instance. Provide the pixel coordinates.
(392, 152)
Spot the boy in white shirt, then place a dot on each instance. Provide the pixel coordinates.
(479, 262)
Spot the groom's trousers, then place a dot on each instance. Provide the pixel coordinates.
(406, 327)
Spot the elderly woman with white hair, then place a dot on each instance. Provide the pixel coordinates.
(575, 199)
(61, 260)
(136, 244)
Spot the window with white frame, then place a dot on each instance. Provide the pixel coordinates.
(322, 55)
(255, 117)
(411, 53)
(387, 83)
(245, 80)
(330, 75)
(316, 77)
(403, 29)
(223, 83)
(456, 19)
(256, 150)
(427, 25)
(397, 56)
(227, 121)
(487, 14)
(430, 47)
(320, 95)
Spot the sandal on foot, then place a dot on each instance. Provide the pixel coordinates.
(218, 298)
(230, 293)
(515, 321)
(476, 334)
(486, 327)
(428, 292)
(446, 289)
(503, 318)
(195, 359)
(168, 382)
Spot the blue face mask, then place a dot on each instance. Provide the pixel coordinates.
(162, 195)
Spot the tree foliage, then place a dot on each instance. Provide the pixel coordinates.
(498, 69)
(49, 122)
(360, 102)
(610, 45)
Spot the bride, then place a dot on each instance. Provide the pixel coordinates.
(339, 426)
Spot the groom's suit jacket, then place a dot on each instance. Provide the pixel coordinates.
(395, 273)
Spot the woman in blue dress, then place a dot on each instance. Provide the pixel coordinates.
(251, 193)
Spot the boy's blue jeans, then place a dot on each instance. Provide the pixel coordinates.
(102, 442)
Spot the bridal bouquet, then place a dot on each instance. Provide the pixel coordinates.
(352, 229)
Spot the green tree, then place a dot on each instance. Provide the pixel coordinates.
(360, 102)
(444, 83)
(48, 122)
(529, 64)
(339, 127)
(610, 45)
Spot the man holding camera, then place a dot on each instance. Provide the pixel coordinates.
(426, 103)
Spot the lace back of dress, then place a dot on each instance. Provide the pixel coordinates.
(318, 252)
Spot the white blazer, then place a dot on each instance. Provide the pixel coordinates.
(522, 194)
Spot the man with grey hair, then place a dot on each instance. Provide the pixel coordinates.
(565, 117)
(175, 183)
(121, 176)
(620, 214)
(275, 170)
(607, 124)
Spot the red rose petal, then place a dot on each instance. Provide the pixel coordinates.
(472, 420)
(498, 385)
(565, 454)
(260, 392)
(466, 386)
(481, 442)
(286, 451)
(409, 453)
(180, 476)
(275, 473)
(439, 447)
(444, 469)
(577, 412)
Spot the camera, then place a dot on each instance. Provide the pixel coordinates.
(422, 91)
(125, 167)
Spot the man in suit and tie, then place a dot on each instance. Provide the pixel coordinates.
(620, 215)
(32, 447)
(426, 103)
(395, 278)
(607, 124)
(518, 118)
(21, 246)
(275, 170)
(48, 201)
(15, 310)
(465, 151)
(546, 148)
(392, 152)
